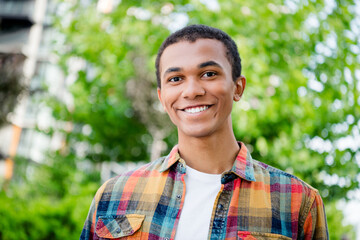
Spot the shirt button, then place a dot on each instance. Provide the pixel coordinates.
(178, 196)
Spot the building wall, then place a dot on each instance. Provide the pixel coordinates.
(25, 30)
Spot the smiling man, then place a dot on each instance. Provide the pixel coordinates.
(208, 187)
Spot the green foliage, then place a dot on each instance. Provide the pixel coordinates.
(302, 99)
(40, 218)
(50, 204)
(301, 87)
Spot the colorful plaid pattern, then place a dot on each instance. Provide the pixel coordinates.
(256, 201)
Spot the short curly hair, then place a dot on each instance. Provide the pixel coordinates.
(192, 33)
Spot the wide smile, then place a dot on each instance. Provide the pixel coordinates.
(196, 109)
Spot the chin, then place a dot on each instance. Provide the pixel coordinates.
(196, 133)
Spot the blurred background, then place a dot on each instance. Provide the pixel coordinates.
(78, 100)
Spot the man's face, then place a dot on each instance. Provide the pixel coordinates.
(197, 89)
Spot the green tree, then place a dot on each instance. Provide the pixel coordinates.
(300, 58)
(300, 111)
(48, 204)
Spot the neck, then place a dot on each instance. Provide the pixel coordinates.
(212, 154)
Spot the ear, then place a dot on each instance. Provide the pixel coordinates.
(240, 84)
(159, 96)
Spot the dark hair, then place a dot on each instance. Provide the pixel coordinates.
(194, 32)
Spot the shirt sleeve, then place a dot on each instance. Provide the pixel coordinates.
(315, 225)
(88, 232)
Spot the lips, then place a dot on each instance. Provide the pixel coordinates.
(196, 109)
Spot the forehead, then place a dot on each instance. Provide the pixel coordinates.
(185, 54)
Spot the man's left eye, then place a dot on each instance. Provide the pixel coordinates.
(209, 74)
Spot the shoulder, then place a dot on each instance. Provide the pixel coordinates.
(281, 180)
(289, 190)
(129, 179)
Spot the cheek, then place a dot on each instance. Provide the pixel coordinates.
(227, 96)
(167, 101)
(225, 92)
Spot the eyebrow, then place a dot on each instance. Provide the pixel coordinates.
(209, 63)
(172, 69)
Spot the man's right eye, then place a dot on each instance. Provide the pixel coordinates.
(174, 79)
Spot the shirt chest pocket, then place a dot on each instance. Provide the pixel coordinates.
(119, 227)
(246, 235)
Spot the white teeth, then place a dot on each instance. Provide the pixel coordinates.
(196, 109)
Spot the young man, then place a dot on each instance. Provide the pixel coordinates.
(208, 187)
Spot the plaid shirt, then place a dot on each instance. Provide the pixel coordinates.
(256, 201)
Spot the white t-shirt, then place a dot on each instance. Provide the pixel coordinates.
(200, 195)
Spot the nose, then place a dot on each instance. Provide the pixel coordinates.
(193, 88)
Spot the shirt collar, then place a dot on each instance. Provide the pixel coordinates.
(242, 167)
(171, 159)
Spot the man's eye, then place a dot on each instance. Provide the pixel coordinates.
(174, 79)
(209, 74)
